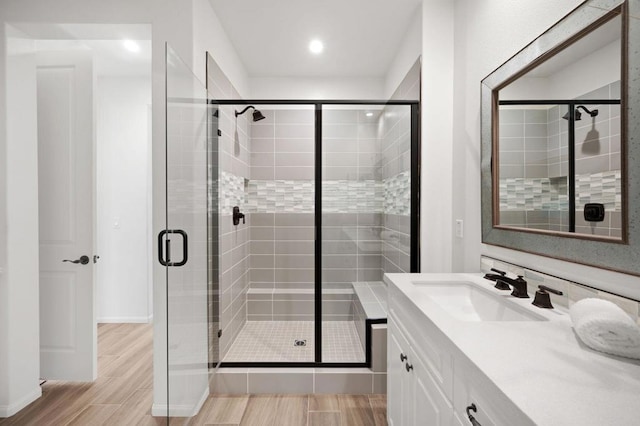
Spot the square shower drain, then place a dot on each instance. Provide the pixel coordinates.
(299, 342)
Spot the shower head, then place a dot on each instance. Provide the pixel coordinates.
(576, 117)
(257, 115)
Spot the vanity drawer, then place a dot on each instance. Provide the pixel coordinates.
(426, 340)
(492, 407)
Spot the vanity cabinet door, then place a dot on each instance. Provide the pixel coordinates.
(398, 381)
(430, 406)
(413, 396)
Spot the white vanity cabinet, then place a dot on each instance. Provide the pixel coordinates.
(429, 382)
(414, 398)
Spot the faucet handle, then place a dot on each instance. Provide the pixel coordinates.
(542, 299)
(499, 271)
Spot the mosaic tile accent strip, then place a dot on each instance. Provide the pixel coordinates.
(551, 194)
(391, 196)
(397, 194)
(604, 187)
(280, 196)
(231, 191)
(352, 196)
(533, 194)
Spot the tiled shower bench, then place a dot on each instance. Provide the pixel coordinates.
(370, 317)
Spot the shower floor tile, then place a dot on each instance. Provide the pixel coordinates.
(274, 341)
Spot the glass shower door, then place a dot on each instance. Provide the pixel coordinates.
(183, 244)
(367, 152)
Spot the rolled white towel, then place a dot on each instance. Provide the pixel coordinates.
(605, 327)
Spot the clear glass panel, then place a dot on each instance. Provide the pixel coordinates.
(534, 166)
(598, 169)
(268, 172)
(540, 145)
(579, 190)
(366, 207)
(187, 230)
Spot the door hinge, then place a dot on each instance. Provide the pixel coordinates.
(219, 333)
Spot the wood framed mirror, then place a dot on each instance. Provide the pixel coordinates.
(558, 141)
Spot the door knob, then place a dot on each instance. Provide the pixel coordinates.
(83, 260)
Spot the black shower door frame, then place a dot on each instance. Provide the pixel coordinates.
(414, 256)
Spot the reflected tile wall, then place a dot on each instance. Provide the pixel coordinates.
(533, 178)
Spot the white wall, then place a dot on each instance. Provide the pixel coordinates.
(19, 291)
(409, 50)
(486, 35)
(209, 36)
(437, 145)
(171, 21)
(317, 88)
(123, 197)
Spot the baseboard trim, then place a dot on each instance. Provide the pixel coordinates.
(160, 410)
(131, 320)
(10, 410)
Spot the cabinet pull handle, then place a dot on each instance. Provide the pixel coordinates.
(403, 357)
(408, 366)
(472, 419)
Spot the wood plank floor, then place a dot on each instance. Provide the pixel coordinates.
(123, 394)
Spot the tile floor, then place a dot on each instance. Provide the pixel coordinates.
(273, 341)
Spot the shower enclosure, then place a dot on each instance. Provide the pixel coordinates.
(325, 190)
(560, 165)
(282, 217)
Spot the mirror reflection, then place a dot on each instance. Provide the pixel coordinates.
(559, 141)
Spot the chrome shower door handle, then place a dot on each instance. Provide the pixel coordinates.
(83, 260)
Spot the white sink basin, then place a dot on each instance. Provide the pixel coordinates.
(468, 302)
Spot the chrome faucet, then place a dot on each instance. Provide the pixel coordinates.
(519, 286)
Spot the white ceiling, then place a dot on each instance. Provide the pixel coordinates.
(361, 37)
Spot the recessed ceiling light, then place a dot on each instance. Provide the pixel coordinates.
(369, 114)
(316, 46)
(131, 46)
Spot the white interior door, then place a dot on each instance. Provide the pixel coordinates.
(68, 337)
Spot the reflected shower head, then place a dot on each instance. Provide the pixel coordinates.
(593, 113)
(257, 115)
(576, 117)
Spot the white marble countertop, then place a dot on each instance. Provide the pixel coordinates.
(540, 365)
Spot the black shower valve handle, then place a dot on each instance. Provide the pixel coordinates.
(237, 216)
